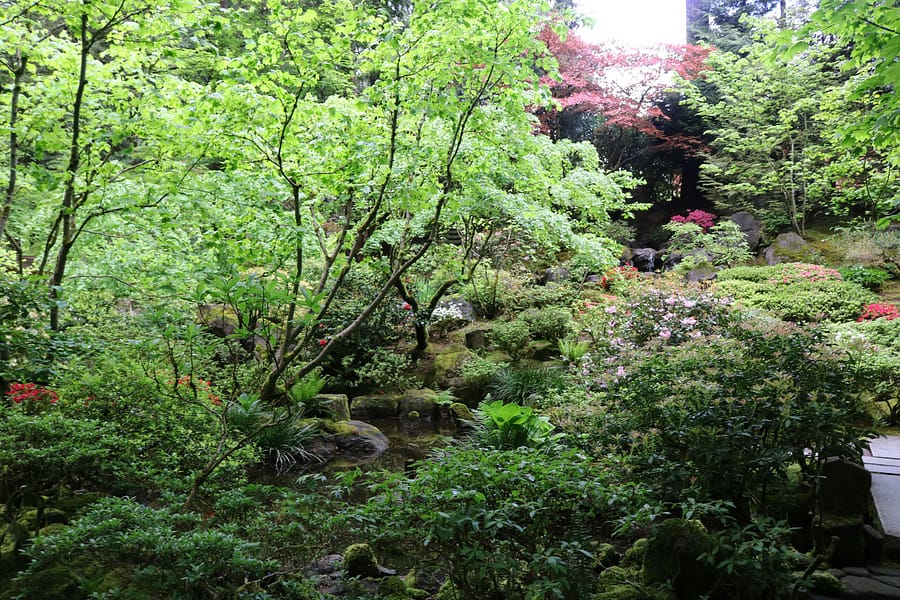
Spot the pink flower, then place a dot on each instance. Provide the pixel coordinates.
(689, 322)
(689, 304)
(620, 372)
(665, 334)
(611, 309)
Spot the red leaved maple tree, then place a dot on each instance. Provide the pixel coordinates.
(624, 88)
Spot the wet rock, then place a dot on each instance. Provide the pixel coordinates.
(335, 406)
(375, 406)
(750, 227)
(424, 402)
(866, 588)
(790, 247)
(646, 259)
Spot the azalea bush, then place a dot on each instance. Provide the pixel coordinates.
(879, 310)
(702, 219)
(795, 292)
(872, 348)
(731, 414)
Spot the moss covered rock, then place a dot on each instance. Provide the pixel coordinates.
(375, 406)
(446, 368)
(336, 406)
(461, 413)
(359, 561)
(424, 402)
(673, 556)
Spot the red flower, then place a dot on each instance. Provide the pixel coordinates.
(323, 342)
(406, 306)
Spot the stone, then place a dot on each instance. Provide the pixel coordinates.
(326, 565)
(646, 259)
(790, 247)
(843, 488)
(857, 571)
(353, 440)
(336, 406)
(824, 582)
(446, 373)
(219, 319)
(750, 227)
(423, 402)
(359, 561)
(461, 414)
(851, 545)
(374, 406)
(866, 588)
(894, 581)
(880, 570)
(475, 339)
(555, 275)
(701, 273)
(673, 556)
(874, 544)
(452, 313)
(542, 350)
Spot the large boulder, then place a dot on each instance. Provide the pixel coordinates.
(335, 406)
(555, 275)
(750, 227)
(354, 442)
(843, 488)
(374, 406)
(790, 247)
(447, 373)
(424, 402)
(646, 259)
(451, 314)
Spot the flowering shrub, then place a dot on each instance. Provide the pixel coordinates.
(698, 217)
(32, 397)
(797, 292)
(197, 386)
(879, 310)
(616, 275)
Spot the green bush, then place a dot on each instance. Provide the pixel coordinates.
(868, 277)
(723, 245)
(551, 323)
(795, 292)
(801, 302)
(525, 385)
(512, 337)
(730, 415)
(457, 514)
(122, 547)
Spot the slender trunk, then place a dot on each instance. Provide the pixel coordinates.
(18, 75)
(67, 212)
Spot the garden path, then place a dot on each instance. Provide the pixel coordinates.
(884, 465)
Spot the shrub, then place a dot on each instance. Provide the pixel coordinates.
(701, 218)
(120, 546)
(456, 514)
(731, 414)
(551, 323)
(879, 310)
(873, 351)
(722, 245)
(477, 372)
(509, 426)
(525, 385)
(868, 277)
(512, 337)
(795, 292)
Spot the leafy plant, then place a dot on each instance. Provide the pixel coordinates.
(550, 323)
(455, 515)
(512, 337)
(572, 349)
(525, 385)
(510, 426)
(868, 277)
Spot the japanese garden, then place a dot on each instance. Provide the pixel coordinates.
(389, 299)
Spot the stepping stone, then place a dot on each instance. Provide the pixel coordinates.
(887, 447)
(886, 493)
(866, 588)
(883, 469)
(879, 570)
(894, 581)
(857, 571)
(881, 461)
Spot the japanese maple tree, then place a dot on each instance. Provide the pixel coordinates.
(622, 89)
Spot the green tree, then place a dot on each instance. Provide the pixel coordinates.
(771, 148)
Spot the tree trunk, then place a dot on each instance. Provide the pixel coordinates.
(18, 75)
(67, 211)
